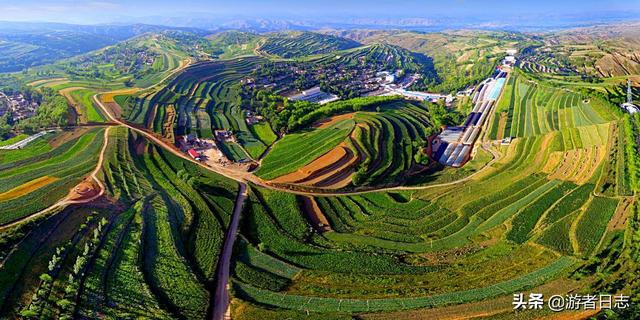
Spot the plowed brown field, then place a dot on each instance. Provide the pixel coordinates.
(329, 121)
(315, 215)
(332, 170)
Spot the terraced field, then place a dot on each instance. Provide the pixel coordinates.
(331, 227)
(137, 258)
(375, 147)
(35, 177)
(299, 44)
(416, 249)
(528, 109)
(425, 242)
(200, 100)
(81, 100)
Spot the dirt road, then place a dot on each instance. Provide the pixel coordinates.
(220, 303)
(66, 201)
(242, 176)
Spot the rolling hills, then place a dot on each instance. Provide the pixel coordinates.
(292, 209)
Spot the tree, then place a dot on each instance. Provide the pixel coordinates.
(360, 176)
(45, 277)
(421, 158)
(63, 303)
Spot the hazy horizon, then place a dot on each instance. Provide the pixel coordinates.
(203, 14)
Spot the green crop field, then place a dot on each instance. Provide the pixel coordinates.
(324, 211)
(385, 140)
(529, 109)
(204, 96)
(173, 214)
(297, 149)
(298, 44)
(58, 168)
(84, 98)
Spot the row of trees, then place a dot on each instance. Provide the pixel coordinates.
(50, 299)
(631, 124)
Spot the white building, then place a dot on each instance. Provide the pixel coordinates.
(629, 107)
(314, 95)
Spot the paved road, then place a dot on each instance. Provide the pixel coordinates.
(220, 306)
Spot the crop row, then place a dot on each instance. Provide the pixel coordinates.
(317, 304)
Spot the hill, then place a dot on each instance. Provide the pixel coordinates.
(460, 58)
(600, 51)
(26, 45)
(299, 44)
(228, 44)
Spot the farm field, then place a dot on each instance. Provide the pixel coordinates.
(367, 149)
(39, 175)
(178, 210)
(82, 101)
(299, 44)
(233, 43)
(535, 204)
(424, 229)
(528, 109)
(295, 209)
(204, 100)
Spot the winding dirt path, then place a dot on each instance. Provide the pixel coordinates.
(243, 177)
(67, 200)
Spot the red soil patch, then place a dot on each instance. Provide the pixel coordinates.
(619, 219)
(331, 170)
(84, 190)
(342, 177)
(317, 167)
(114, 108)
(315, 215)
(329, 121)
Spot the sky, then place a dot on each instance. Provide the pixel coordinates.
(114, 11)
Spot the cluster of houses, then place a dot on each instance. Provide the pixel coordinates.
(252, 118)
(510, 59)
(18, 106)
(225, 136)
(397, 84)
(194, 146)
(322, 82)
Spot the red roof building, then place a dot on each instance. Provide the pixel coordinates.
(193, 154)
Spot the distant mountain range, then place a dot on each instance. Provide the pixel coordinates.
(435, 23)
